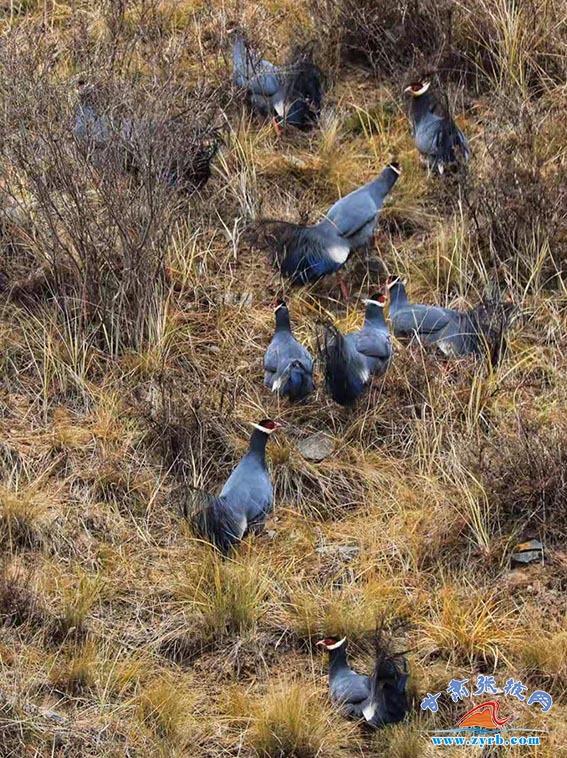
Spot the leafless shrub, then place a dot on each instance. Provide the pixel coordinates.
(518, 208)
(485, 42)
(381, 35)
(525, 474)
(97, 209)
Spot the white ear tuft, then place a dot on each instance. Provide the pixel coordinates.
(417, 92)
(374, 302)
(263, 428)
(337, 644)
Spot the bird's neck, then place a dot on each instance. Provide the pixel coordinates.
(257, 446)
(420, 106)
(374, 316)
(383, 183)
(398, 296)
(337, 660)
(282, 320)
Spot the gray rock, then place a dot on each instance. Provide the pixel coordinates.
(316, 447)
(528, 552)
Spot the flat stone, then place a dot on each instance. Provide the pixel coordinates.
(316, 447)
(528, 552)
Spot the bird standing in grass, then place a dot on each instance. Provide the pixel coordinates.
(307, 253)
(290, 94)
(288, 366)
(437, 137)
(245, 500)
(350, 360)
(456, 334)
(380, 698)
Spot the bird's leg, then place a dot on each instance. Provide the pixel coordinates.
(343, 286)
(277, 127)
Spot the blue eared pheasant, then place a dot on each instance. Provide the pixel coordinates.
(437, 137)
(288, 366)
(184, 153)
(378, 699)
(350, 360)
(290, 94)
(307, 253)
(478, 331)
(243, 503)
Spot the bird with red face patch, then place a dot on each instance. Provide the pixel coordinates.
(351, 360)
(441, 143)
(245, 500)
(378, 699)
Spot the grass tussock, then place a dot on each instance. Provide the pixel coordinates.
(290, 720)
(166, 710)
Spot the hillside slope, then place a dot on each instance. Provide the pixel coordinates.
(134, 321)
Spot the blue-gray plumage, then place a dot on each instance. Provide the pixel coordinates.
(351, 360)
(437, 137)
(292, 94)
(307, 253)
(455, 333)
(243, 503)
(288, 366)
(184, 162)
(379, 699)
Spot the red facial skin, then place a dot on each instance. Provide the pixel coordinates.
(327, 641)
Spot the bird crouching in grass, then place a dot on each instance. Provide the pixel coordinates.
(379, 699)
(243, 503)
(438, 139)
(288, 366)
(480, 331)
(351, 360)
(305, 254)
(179, 151)
(290, 94)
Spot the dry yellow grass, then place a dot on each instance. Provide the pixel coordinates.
(139, 638)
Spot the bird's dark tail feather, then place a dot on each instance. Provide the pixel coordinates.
(212, 520)
(304, 89)
(294, 250)
(295, 382)
(388, 702)
(452, 148)
(342, 377)
(490, 322)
